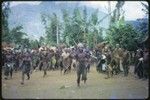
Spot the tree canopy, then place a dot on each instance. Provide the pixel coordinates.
(78, 26)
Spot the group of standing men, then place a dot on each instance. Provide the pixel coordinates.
(79, 57)
(120, 60)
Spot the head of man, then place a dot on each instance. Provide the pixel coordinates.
(80, 49)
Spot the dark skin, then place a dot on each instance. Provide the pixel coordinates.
(57, 56)
(25, 60)
(9, 59)
(50, 54)
(81, 58)
(66, 62)
(45, 61)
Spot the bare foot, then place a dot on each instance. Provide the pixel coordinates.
(106, 77)
(78, 85)
(22, 83)
(84, 81)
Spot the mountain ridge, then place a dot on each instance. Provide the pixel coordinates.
(30, 15)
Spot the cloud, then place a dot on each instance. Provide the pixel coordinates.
(133, 9)
(101, 5)
(14, 3)
(36, 31)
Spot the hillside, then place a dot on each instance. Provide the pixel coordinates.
(30, 15)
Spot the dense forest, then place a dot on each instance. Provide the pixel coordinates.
(79, 27)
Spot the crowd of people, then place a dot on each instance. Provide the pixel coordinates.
(79, 58)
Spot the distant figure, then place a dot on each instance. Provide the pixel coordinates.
(65, 60)
(88, 57)
(51, 59)
(126, 62)
(26, 67)
(8, 70)
(117, 56)
(58, 58)
(146, 63)
(74, 61)
(35, 59)
(16, 65)
(45, 62)
(139, 63)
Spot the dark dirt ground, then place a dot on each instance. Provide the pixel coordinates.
(58, 86)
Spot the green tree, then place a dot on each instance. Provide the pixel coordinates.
(123, 34)
(41, 41)
(117, 13)
(94, 30)
(5, 15)
(34, 44)
(85, 24)
(17, 34)
(67, 27)
(77, 29)
(52, 26)
(10, 36)
(25, 43)
(142, 28)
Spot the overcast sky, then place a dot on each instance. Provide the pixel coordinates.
(132, 8)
